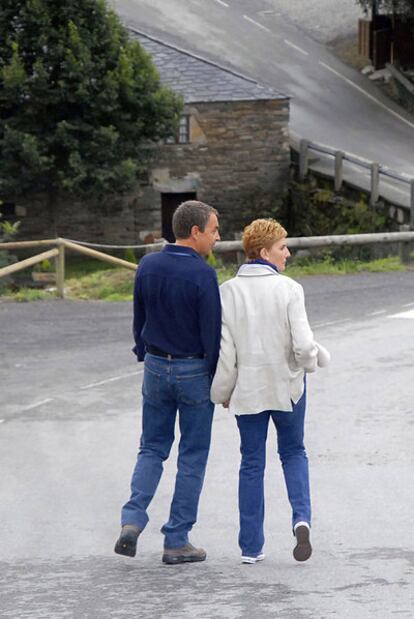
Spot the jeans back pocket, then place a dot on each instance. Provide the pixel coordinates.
(193, 389)
(151, 385)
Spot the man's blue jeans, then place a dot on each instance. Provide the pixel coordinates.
(253, 435)
(168, 385)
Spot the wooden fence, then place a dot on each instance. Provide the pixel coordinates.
(58, 253)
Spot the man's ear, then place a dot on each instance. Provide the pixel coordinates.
(195, 231)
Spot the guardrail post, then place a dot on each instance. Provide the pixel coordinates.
(303, 159)
(339, 161)
(374, 183)
(404, 246)
(60, 270)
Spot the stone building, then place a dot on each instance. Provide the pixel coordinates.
(232, 148)
(231, 151)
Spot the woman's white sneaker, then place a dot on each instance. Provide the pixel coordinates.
(259, 557)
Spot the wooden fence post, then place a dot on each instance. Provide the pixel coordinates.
(339, 166)
(303, 159)
(412, 204)
(373, 199)
(60, 270)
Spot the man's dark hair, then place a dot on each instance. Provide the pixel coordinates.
(188, 214)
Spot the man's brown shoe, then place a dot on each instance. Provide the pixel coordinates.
(186, 554)
(127, 542)
(303, 548)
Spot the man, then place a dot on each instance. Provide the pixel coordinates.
(177, 323)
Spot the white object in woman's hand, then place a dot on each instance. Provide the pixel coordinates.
(324, 356)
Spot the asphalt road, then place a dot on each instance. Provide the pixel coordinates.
(69, 425)
(331, 103)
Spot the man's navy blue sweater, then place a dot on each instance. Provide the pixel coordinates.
(177, 305)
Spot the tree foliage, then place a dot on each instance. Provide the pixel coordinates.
(398, 7)
(79, 101)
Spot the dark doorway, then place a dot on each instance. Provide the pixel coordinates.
(169, 202)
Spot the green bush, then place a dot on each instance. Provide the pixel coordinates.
(313, 209)
(7, 231)
(211, 260)
(44, 267)
(130, 255)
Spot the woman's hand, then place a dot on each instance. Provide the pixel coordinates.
(226, 404)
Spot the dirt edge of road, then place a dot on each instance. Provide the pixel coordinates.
(346, 48)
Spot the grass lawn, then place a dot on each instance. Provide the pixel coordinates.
(95, 280)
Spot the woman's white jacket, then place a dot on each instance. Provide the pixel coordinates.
(266, 344)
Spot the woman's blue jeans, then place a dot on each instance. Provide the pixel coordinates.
(253, 434)
(168, 386)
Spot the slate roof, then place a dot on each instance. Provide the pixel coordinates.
(200, 80)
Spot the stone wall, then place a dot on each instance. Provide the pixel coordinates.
(111, 221)
(237, 161)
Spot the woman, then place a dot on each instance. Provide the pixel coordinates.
(267, 346)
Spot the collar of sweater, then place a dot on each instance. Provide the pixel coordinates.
(256, 270)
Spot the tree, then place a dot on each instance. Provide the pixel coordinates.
(79, 101)
(397, 7)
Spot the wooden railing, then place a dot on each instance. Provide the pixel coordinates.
(58, 253)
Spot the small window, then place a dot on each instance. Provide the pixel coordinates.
(183, 133)
(184, 130)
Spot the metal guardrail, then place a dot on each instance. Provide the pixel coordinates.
(304, 242)
(58, 253)
(304, 147)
